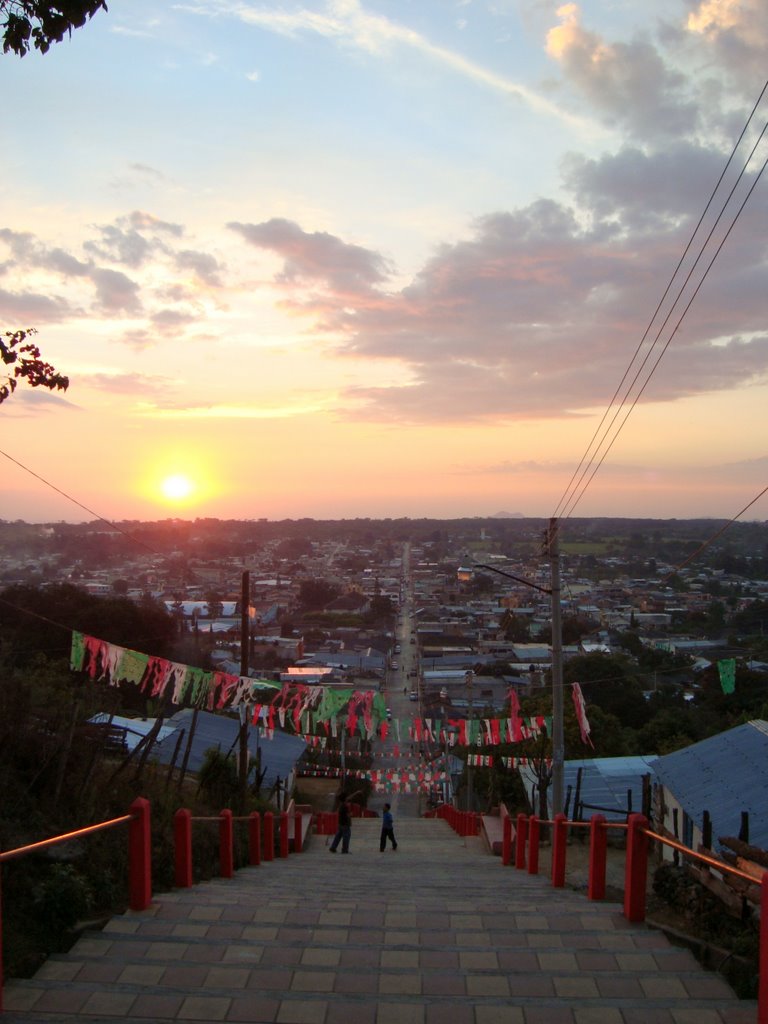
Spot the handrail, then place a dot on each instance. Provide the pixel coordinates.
(66, 837)
(719, 865)
(139, 857)
(639, 837)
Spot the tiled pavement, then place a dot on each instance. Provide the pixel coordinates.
(436, 933)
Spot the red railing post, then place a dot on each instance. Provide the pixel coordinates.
(559, 842)
(254, 838)
(182, 848)
(762, 989)
(284, 833)
(636, 870)
(534, 830)
(269, 836)
(226, 844)
(520, 840)
(506, 840)
(140, 855)
(598, 853)
(298, 832)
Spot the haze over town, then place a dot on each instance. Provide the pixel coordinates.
(348, 258)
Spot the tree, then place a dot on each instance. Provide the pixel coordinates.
(31, 23)
(316, 594)
(25, 358)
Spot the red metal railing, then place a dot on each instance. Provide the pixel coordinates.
(261, 840)
(639, 836)
(139, 857)
(261, 843)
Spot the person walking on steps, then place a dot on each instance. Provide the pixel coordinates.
(344, 830)
(387, 829)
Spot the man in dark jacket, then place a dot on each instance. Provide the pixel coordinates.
(344, 831)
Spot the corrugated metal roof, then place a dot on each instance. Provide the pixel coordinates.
(604, 783)
(725, 775)
(278, 755)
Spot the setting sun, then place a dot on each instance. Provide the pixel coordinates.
(177, 487)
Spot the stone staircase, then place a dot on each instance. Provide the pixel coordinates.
(437, 933)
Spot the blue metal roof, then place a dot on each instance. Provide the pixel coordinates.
(278, 755)
(605, 782)
(725, 775)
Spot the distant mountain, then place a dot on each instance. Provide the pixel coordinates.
(507, 515)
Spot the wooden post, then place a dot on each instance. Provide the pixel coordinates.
(706, 831)
(182, 848)
(598, 853)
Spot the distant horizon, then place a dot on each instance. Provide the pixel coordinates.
(373, 519)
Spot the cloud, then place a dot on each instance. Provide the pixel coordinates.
(347, 24)
(132, 240)
(629, 84)
(27, 402)
(27, 309)
(317, 257)
(735, 34)
(115, 291)
(204, 266)
(170, 320)
(140, 385)
(643, 190)
(536, 313)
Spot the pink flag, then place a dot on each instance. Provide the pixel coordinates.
(581, 715)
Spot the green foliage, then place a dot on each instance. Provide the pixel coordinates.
(38, 621)
(63, 897)
(315, 595)
(218, 778)
(15, 348)
(32, 23)
(609, 681)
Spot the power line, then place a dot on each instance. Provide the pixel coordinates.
(713, 538)
(582, 469)
(75, 501)
(575, 499)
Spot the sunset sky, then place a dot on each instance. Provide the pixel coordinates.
(385, 258)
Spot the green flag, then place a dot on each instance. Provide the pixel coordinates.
(727, 670)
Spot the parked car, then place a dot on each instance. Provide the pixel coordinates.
(413, 695)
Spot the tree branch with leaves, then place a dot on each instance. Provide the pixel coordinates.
(24, 356)
(31, 24)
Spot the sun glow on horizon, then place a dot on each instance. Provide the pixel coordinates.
(177, 488)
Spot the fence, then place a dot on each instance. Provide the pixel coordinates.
(268, 834)
(638, 838)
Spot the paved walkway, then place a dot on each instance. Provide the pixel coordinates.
(437, 933)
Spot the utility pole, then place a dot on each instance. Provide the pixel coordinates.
(245, 601)
(469, 678)
(558, 743)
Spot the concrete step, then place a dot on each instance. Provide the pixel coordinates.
(438, 932)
